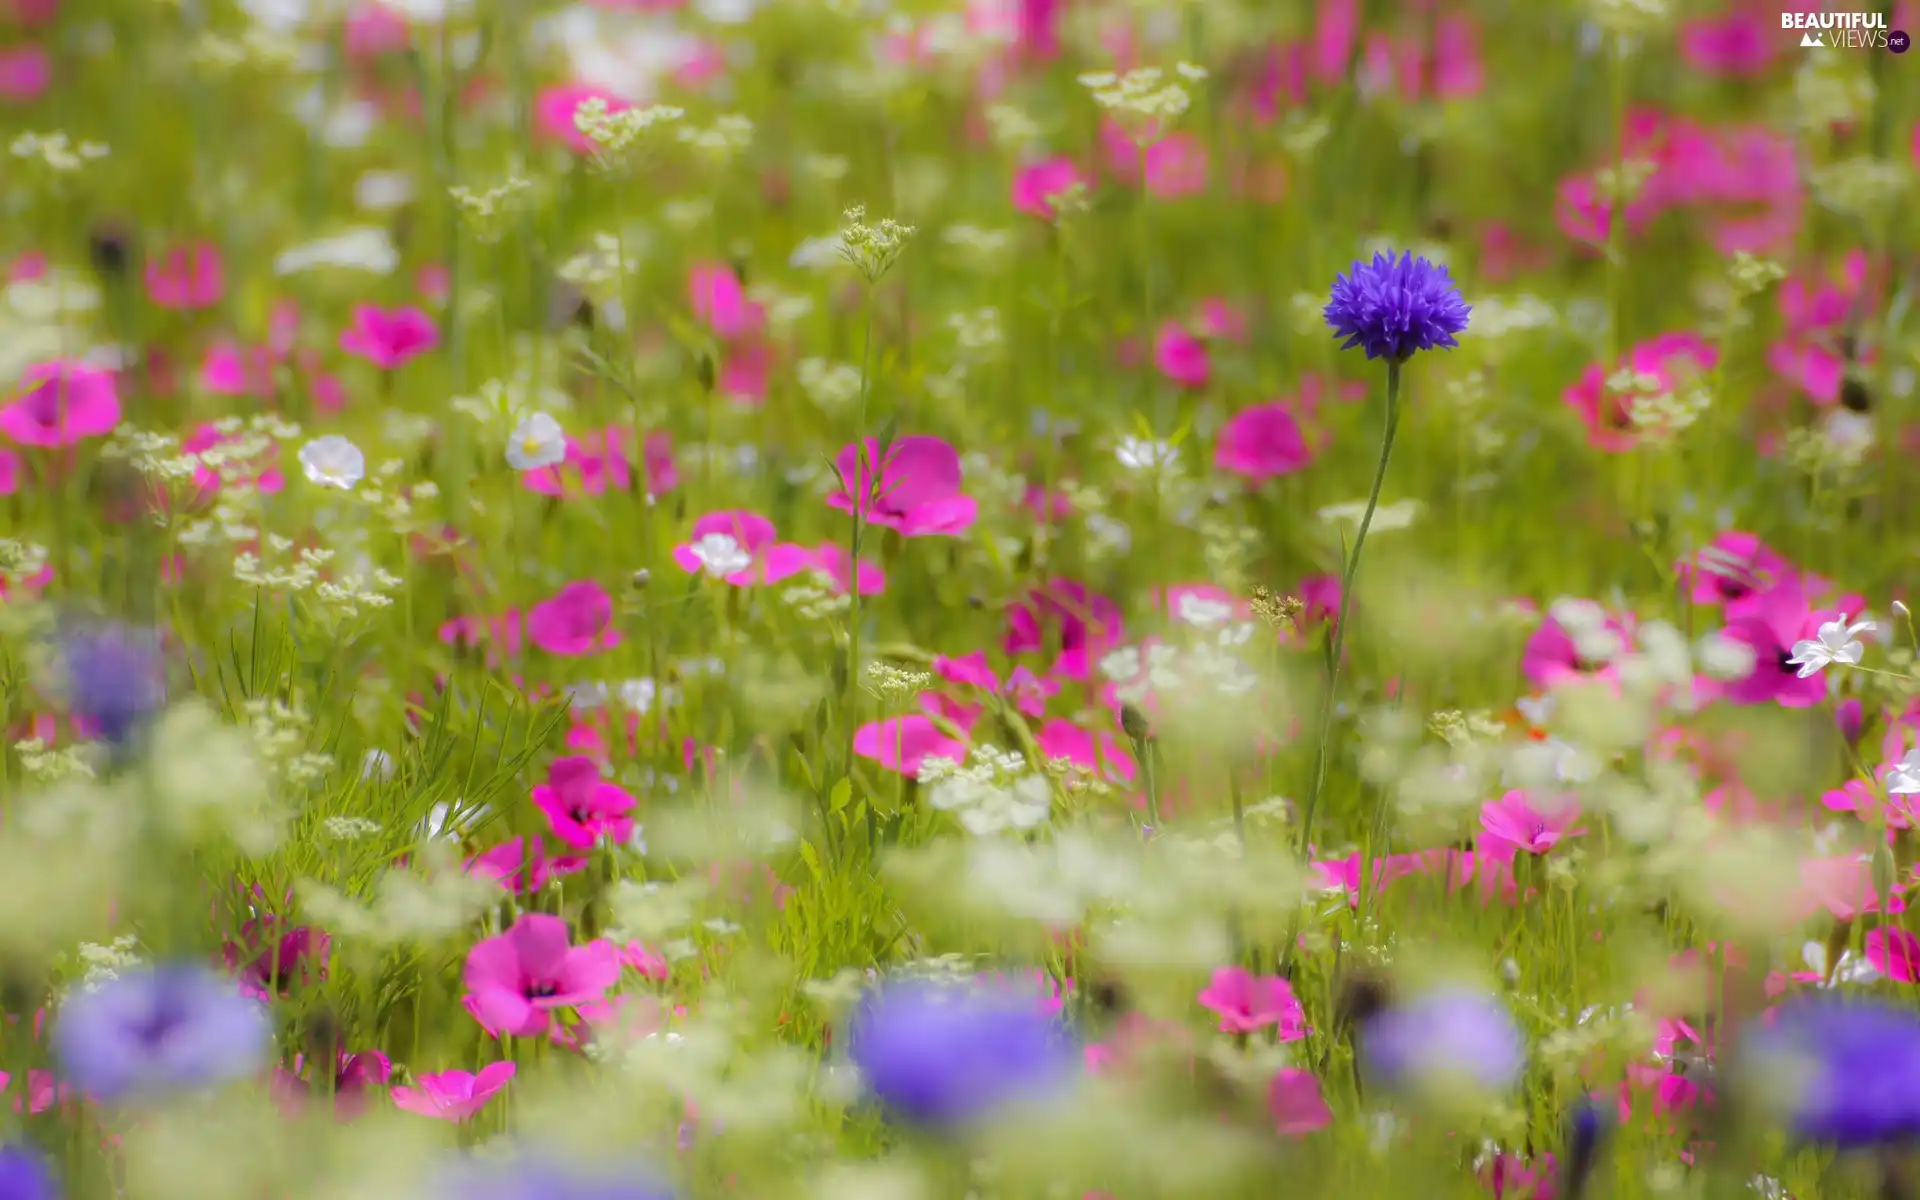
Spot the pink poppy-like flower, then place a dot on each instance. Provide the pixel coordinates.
(517, 979)
(187, 277)
(270, 960)
(1261, 442)
(918, 490)
(1842, 886)
(522, 865)
(649, 963)
(1086, 624)
(1180, 356)
(1670, 359)
(1816, 314)
(831, 559)
(1246, 1002)
(1038, 186)
(1517, 823)
(1871, 801)
(1733, 566)
(575, 622)
(554, 107)
(1895, 953)
(1101, 755)
(1555, 654)
(453, 1095)
(1028, 691)
(64, 402)
(1295, 1102)
(25, 72)
(902, 743)
(741, 548)
(720, 301)
(582, 807)
(1769, 623)
(389, 338)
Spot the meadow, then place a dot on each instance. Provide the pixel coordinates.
(938, 599)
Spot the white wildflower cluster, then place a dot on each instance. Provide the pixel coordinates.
(977, 246)
(487, 213)
(1500, 317)
(279, 732)
(1458, 729)
(1206, 664)
(817, 598)
(872, 249)
(726, 137)
(257, 48)
(1750, 275)
(598, 272)
(1654, 408)
(1623, 182)
(889, 682)
(352, 594)
(21, 560)
(503, 403)
(656, 912)
(994, 792)
(209, 779)
(1143, 100)
(1832, 89)
(1631, 18)
(102, 963)
(156, 456)
(45, 765)
(615, 135)
(833, 386)
(783, 309)
(1012, 128)
(1831, 449)
(57, 152)
(1399, 514)
(279, 569)
(1147, 455)
(978, 334)
(431, 901)
(1861, 186)
(349, 829)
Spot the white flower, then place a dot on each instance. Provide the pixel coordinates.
(333, 461)
(1904, 778)
(537, 442)
(720, 555)
(1203, 611)
(1835, 644)
(1145, 454)
(368, 248)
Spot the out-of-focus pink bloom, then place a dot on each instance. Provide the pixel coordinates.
(355, 1076)
(1671, 359)
(9, 472)
(270, 960)
(649, 963)
(1555, 654)
(1816, 314)
(741, 548)
(1261, 442)
(831, 558)
(576, 621)
(522, 865)
(1246, 1002)
(374, 29)
(517, 979)
(554, 107)
(1738, 43)
(453, 1095)
(64, 402)
(389, 338)
(582, 807)
(1295, 1102)
(917, 492)
(1180, 356)
(1733, 566)
(1086, 623)
(1895, 953)
(902, 743)
(1100, 755)
(25, 72)
(187, 277)
(1769, 623)
(720, 301)
(1841, 886)
(1038, 186)
(1517, 822)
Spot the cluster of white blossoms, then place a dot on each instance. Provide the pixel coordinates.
(994, 792)
(1209, 663)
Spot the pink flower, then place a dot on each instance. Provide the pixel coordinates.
(1261, 442)
(1738, 43)
(1520, 825)
(187, 277)
(1816, 314)
(1842, 886)
(260, 476)
(1247, 1002)
(1103, 755)
(65, 402)
(1180, 356)
(903, 743)
(918, 491)
(389, 338)
(582, 807)
(373, 30)
(354, 1076)
(720, 301)
(1037, 186)
(1295, 1103)
(1087, 625)
(1732, 567)
(25, 72)
(9, 472)
(453, 1095)
(741, 548)
(1895, 953)
(830, 559)
(1871, 800)
(648, 962)
(521, 865)
(1554, 655)
(1769, 623)
(516, 979)
(553, 113)
(1671, 359)
(577, 621)
(270, 962)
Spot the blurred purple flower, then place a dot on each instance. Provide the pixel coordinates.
(24, 1175)
(1396, 305)
(1449, 1032)
(115, 677)
(543, 1177)
(159, 1029)
(940, 1056)
(1846, 1072)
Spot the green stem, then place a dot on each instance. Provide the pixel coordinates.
(1339, 634)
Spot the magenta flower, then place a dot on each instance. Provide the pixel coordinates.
(582, 807)
(1246, 1002)
(1732, 567)
(554, 108)
(575, 622)
(1101, 755)
(1734, 44)
(1556, 654)
(918, 492)
(1769, 623)
(903, 743)
(1295, 1103)
(1180, 356)
(270, 962)
(594, 463)
(1085, 623)
(9, 472)
(187, 277)
(720, 301)
(453, 1095)
(1816, 313)
(355, 1076)
(389, 338)
(522, 866)
(831, 558)
(742, 548)
(1517, 824)
(1671, 359)
(261, 476)
(517, 979)
(1038, 187)
(1261, 442)
(64, 402)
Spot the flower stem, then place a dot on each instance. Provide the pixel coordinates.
(1339, 633)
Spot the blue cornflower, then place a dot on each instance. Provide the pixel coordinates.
(1844, 1072)
(114, 675)
(159, 1029)
(1451, 1034)
(1396, 305)
(541, 1176)
(938, 1055)
(24, 1175)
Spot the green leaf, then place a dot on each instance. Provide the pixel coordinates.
(840, 796)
